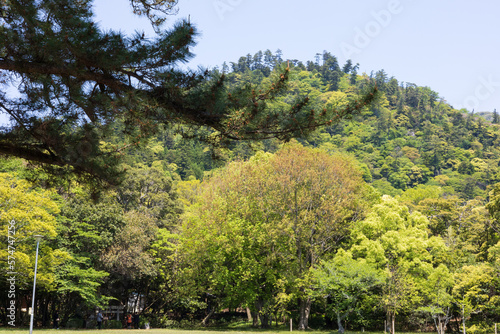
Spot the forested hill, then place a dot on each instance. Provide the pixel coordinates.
(285, 231)
(409, 137)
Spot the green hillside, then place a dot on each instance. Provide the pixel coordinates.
(391, 213)
(409, 137)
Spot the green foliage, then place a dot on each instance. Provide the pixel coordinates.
(437, 292)
(75, 323)
(26, 211)
(258, 227)
(493, 205)
(113, 324)
(150, 192)
(480, 329)
(77, 280)
(392, 238)
(474, 284)
(346, 284)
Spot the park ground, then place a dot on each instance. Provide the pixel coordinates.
(165, 331)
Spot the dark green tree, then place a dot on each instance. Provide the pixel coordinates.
(330, 70)
(495, 119)
(348, 67)
(381, 78)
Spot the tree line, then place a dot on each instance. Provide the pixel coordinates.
(293, 234)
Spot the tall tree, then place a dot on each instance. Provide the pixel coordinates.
(398, 241)
(86, 230)
(330, 70)
(321, 197)
(281, 214)
(493, 205)
(495, 119)
(437, 292)
(24, 212)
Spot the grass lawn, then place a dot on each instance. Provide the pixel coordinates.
(241, 327)
(161, 331)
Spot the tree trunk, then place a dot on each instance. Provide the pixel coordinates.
(442, 322)
(249, 314)
(393, 322)
(305, 310)
(204, 322)
(263, 316)
(463, 318)
(388, 322)
(339, 324)
(446, 321)
(264, 320)
(436, 324)
(255, 319)
(45, 311)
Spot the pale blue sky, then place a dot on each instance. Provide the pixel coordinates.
(451, 46)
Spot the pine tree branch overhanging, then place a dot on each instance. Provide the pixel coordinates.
(76, 81)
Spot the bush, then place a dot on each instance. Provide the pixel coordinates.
(113, 324)
(480, 329)
(91, 324)
(143, 321)
(225, 318)
(74, 323)
(163, 322)
(186, 324)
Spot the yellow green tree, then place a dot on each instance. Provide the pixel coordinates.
(398, 241)
(24, 212)
(474, 288)
(260, 226)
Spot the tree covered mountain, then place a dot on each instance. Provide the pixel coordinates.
(409, 136)
(389, 211)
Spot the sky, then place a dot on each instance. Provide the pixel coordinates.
(451, 46)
